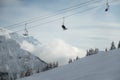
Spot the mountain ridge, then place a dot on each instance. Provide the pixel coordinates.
(15, 61)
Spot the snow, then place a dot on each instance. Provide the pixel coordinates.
(101, 66)
(20, 38)
(14, 59)
(4, 32)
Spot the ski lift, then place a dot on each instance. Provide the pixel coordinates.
(26, 31)
(63, 26)
(107, 6)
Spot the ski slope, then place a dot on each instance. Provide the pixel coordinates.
(101, 66)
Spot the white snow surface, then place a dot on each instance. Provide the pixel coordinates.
(101, 66)
(20, 38)
(14, 59)
(4, 32)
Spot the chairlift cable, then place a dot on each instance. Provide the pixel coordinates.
(57, 13)
(80, 12)
(53, 20)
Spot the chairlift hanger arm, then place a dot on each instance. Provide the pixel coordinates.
(63, 25)
(107, 6)
(26, 31)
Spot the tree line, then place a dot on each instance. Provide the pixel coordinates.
(96, 50)
(92, 51)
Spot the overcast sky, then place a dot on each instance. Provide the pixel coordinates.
(94, 28)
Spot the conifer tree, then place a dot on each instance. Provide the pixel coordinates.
(70, 60)
(112, 46)
(106, 50)
(56, 65)
(119, 44)
(77, 58)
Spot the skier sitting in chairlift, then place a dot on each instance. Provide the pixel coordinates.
(63, 26)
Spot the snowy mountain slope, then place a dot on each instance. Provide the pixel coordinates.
(4, 32)
(20, 38)
(13, 59)
(102, 66)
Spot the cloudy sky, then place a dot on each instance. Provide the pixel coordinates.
(91, 27)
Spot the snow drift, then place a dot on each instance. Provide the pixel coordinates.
(101, 66)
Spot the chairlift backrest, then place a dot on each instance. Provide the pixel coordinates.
(63, 26)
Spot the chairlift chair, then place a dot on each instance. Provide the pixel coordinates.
(107, 6)
(26, 31)
(63, 26)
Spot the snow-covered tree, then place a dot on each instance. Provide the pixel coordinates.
(119, 44)
(70, 60)
(112, 46)
(77, 58)
(106, 50)
(56, 64)
(92, 51)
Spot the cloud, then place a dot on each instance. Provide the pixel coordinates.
(27, 46)
(58, 50)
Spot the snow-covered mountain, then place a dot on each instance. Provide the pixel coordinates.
(20, 38)
(15, 60)
(101, 66)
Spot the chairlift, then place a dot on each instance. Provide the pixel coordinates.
(26, 31)
(107, 6)
(63, 26)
